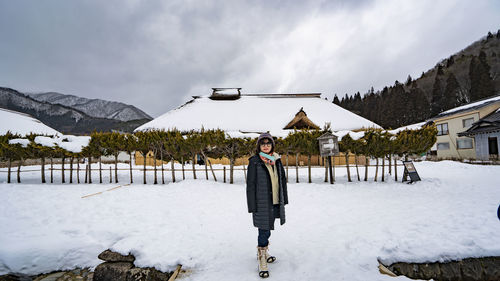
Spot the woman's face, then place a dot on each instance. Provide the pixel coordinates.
(266, 146)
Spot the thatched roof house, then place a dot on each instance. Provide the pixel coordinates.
(251, 114)
(22, 124)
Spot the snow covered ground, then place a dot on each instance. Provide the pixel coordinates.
(333, 232)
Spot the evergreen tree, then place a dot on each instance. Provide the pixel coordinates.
(451, 93)
(408, 80)
(481, 84)
(336, 100)
(437, 97)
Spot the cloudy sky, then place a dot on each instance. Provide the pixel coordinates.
(157, 54)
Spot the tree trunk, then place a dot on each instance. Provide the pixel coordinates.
(173, 169)
(224, 171)
(63, 178)
(296, 167)
(43, 169)
(347, 166)
(130, 165)
(367, 162)
(110, 175)
(356, 163)
(86, 172)
(155, 169)
(390, 168)
(19, 170)
(231, 168)
(383, 168)
(194, 170)
(162, 169)
(71, 169)
(206, 167)
(395, 170)
(212, 169)
(376, 168)
(183, 170)
(116, 168)
(309, 168)
(8, 170)
(78, 170)
(287, 166)
(100, 169)
(90, 169)
(144, 165)
(51, 170)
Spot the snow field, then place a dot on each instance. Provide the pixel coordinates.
(332, 231)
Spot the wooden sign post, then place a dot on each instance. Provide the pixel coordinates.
(328, 147)
(410, 171)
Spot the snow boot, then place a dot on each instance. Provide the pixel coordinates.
(269, 258)
(261, 258)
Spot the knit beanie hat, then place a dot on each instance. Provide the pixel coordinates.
(265, 136)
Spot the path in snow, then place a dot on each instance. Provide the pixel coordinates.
(332, 231)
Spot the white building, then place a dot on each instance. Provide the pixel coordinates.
(450, 143)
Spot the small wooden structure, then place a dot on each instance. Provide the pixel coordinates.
(328, 147)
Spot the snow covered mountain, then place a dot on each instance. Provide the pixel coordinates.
(64, 118)
(94, 107)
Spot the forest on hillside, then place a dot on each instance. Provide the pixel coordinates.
(467, 76)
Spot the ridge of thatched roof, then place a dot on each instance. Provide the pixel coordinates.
(300, 121)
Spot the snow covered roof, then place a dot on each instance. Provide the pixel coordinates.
(68, 142)
(256, 113)
(470, 106)
(416, 126)
(22, 124)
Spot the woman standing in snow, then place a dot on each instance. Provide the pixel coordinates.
(266, 196)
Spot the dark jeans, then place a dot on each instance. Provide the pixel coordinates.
(264, 234)
(263, 238)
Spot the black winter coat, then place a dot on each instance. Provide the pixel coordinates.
(259, 193)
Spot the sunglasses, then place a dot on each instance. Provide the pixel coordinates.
(266, 144)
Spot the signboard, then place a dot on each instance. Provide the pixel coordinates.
(411, 172)
(328, 145)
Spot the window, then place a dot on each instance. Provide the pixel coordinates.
(467, 122)
(442, 129)
(443, 146)
(464, 143)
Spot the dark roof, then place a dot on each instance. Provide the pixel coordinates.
(466, 108)
(488, 124)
